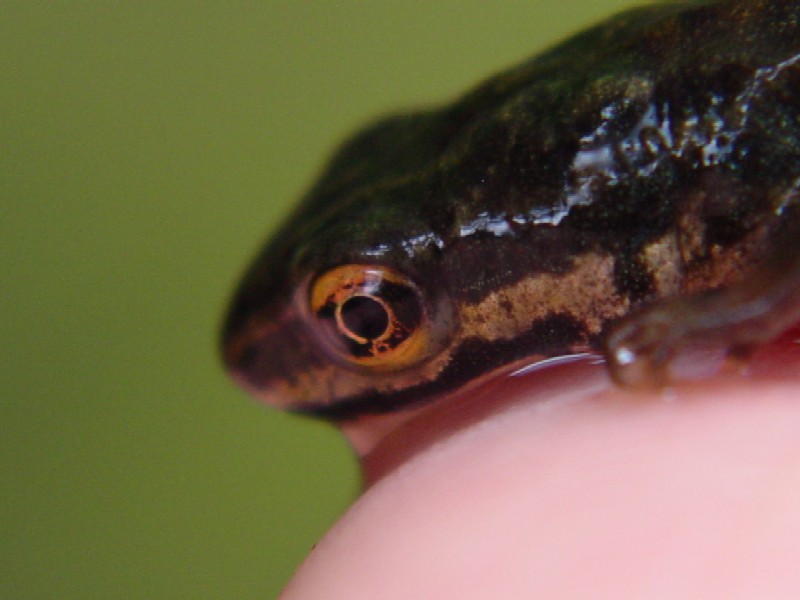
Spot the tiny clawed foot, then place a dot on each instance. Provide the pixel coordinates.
(638, 350)
(652, 349)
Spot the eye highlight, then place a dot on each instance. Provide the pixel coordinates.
(371, 316)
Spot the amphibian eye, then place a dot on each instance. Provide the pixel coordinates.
(371, 316)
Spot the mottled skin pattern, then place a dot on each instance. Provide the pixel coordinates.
(651, 158)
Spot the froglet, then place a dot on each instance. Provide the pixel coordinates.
(631, 192)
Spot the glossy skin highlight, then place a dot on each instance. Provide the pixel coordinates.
(645, 170)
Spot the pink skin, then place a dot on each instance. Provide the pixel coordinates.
(566, 486)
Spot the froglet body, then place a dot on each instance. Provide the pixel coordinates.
(635, 189)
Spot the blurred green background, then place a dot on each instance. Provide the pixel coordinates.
(146, 149)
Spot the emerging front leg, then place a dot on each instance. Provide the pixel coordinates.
(643, 348)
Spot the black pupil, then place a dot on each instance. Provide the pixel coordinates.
(365, 317)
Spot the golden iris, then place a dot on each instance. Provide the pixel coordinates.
(371, 316)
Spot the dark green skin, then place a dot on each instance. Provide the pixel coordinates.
(605, 144)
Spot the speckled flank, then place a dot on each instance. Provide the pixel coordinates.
(586, 293)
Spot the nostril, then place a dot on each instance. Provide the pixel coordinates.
(246, 359)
